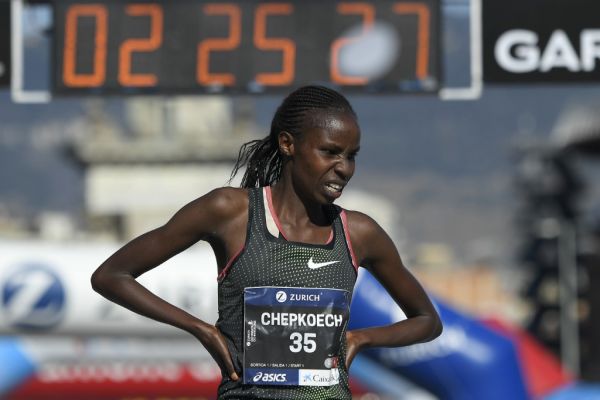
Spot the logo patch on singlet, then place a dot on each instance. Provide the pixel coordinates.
(315, 265)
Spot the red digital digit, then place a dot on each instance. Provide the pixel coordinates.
(203, 74)
(286, 46)
(423, 16)
(97, 76)
(367, 11)
(126, 77)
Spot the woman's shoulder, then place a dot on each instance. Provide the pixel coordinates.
(213, 212)
(225, 200)
(228, 194)
(221, 204)
(362, 228)
(369, 240)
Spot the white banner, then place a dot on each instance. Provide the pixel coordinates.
(45, 288)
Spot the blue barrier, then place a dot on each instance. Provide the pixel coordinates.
(15, 366)
(468, 361)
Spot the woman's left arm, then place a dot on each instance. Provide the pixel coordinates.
(376, 252)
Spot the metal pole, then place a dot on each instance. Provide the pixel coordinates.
(18, 93)
(473, 91)
(567, 277)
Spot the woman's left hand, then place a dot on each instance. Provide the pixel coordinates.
(353, 346)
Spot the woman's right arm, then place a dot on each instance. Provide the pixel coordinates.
(213, 217)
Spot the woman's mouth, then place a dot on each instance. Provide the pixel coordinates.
(334, 188)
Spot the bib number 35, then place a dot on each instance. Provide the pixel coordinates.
(304, 342)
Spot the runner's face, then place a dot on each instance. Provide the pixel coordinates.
(324, 156)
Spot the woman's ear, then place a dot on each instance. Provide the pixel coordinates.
(286, 143)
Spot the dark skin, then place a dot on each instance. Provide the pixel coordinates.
(316, 165)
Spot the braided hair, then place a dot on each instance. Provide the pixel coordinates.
(262, 158)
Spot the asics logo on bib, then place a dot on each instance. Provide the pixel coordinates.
(263, 377)
(314, 265)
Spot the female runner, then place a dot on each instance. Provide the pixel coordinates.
(280, 235)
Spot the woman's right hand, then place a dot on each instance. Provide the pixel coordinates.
(215, 344)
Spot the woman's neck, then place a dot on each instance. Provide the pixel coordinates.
(292, 209)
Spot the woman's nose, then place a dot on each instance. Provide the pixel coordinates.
(344, 168)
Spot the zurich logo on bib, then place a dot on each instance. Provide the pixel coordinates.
(281, 296)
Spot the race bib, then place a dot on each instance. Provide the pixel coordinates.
(292, 336)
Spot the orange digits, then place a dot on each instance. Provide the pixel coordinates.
(422, 36)
(203, 74)
(126, 77)
(97, 76)
(368, 16)
(286, 46)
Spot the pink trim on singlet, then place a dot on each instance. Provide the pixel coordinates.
(272, 210)
(347, 235)
(330, 237)
(229, 264)
(276, 219)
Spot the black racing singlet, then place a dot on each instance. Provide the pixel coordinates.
(272, 261)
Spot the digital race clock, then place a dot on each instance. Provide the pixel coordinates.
(195, 46)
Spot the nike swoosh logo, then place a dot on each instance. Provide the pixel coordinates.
(314, 265)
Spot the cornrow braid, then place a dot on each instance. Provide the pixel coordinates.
(261, 158)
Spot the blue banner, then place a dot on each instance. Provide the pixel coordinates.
(468, 361)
